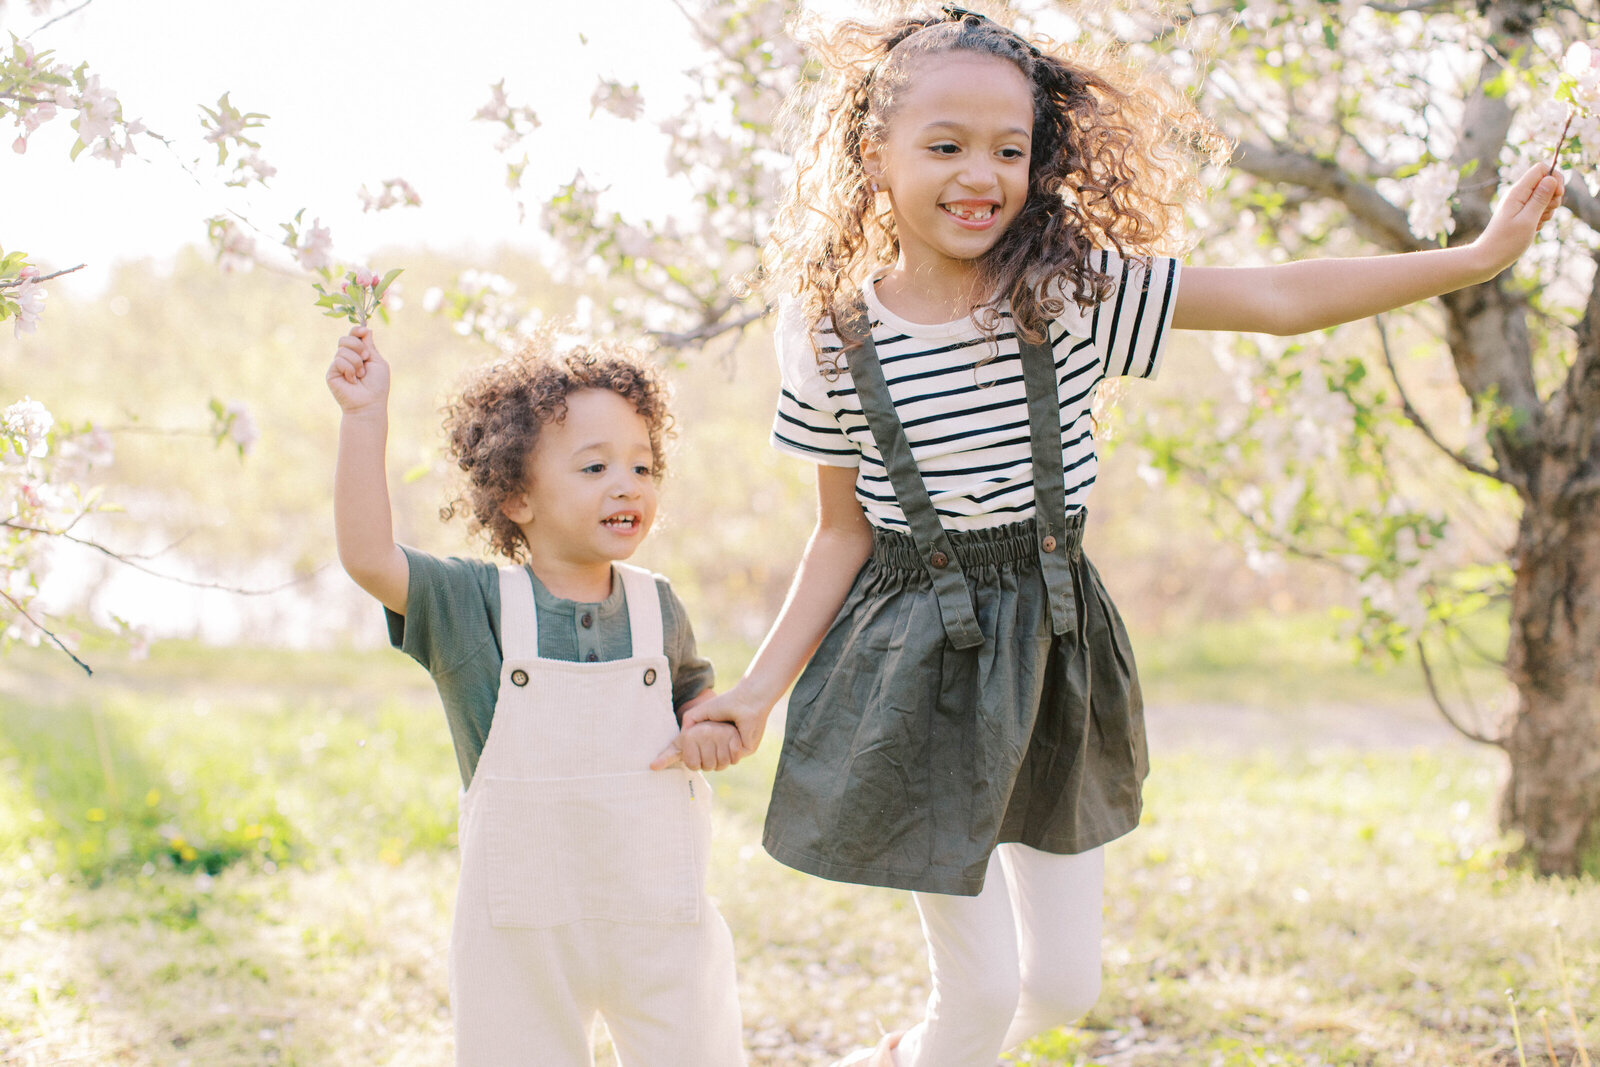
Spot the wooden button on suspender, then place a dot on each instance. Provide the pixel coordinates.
(938, 559)
(1049, 543)
(650, 676)
(519, 677)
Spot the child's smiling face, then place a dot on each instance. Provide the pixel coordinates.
(591, 492)
(954, 160)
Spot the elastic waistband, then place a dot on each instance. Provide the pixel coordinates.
(993, 546)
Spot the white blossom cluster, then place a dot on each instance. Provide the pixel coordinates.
(39, 91)
(1431, 190)
(483, 305)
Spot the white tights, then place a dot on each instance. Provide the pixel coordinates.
(1020, 958)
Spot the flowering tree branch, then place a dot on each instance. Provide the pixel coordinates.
(1413, 416)
(1274, 163)
(22, 610)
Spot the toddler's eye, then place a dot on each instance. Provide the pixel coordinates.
(595, 468)
(644, 471)
(944, 149)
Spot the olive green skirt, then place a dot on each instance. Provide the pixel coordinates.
(906, 760)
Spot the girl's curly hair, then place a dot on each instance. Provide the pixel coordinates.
(493, 426)
(1114, 158)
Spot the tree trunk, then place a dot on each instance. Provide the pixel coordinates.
(1552, 798)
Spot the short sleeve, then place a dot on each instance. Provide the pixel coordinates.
(805, 424)
(1131, 324)
(451, 605)
(692, 673)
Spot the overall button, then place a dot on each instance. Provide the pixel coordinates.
(939, 559)
(593, 657)
(587, 620)
(519, 677)
(650, 676)
(1049, 543)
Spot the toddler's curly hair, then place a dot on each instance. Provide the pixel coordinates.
(1115, 157)
(493, 425)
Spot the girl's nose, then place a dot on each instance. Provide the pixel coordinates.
(978, 175)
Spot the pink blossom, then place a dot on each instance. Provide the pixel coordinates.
(242, 428)
(20, 145)
(30, 305)
(365, 278)
(315, 251)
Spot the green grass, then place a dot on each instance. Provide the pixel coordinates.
(1306, 907)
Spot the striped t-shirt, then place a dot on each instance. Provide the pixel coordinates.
(967, 420)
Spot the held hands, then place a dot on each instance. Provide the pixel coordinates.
(705, 746)
(358, 377)
(734, 706)
(711, 738)
(1527, 206)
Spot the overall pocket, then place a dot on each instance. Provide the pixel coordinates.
(620, 848)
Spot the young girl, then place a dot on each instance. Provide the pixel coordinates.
(967, 251)
(582, 867)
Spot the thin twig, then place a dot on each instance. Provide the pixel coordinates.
(1556, 155)
(65, 14)
(1438, 702)
(133, 562)
(37, 625)
(709, 331)
(15, 282)
(1414, 417)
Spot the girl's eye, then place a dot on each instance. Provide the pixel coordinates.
(1012, 154)
(944, 149)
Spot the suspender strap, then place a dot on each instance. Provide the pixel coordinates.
(644, 609)
(519, 622)
(933, 546)
(1060, 537)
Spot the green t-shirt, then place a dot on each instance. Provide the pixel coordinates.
(452, 627)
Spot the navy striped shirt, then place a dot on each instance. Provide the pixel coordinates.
(967, 420)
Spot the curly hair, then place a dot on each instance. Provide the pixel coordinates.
(493, 426)
(1115, 157)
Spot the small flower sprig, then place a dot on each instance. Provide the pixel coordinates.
(1580, 89)
(359, 297)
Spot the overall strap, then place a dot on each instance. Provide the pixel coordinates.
(1060, 538)
(644, 609)
(927, 533)
(519, 619)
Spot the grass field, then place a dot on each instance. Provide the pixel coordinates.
(230, 857)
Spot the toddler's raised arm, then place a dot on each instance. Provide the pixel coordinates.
(358, 378)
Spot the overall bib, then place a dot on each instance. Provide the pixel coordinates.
(583, 871)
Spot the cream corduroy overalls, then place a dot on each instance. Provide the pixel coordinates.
(582, 870)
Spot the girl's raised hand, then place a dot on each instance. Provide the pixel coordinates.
(1527, 206)
(358, 377)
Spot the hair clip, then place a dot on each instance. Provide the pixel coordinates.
(953, 13)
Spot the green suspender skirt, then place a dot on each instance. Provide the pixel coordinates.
(977, 687)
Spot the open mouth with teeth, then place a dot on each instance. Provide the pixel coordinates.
(975, 213)
(625, 523)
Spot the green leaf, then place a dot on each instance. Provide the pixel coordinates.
(77, 150)
(377, 294)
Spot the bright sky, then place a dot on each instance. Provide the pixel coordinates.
(356, 93)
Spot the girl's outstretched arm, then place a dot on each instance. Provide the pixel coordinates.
(1313, 294)
(838, 547)
(358, 378)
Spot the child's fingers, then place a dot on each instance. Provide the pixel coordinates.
(673, 753)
